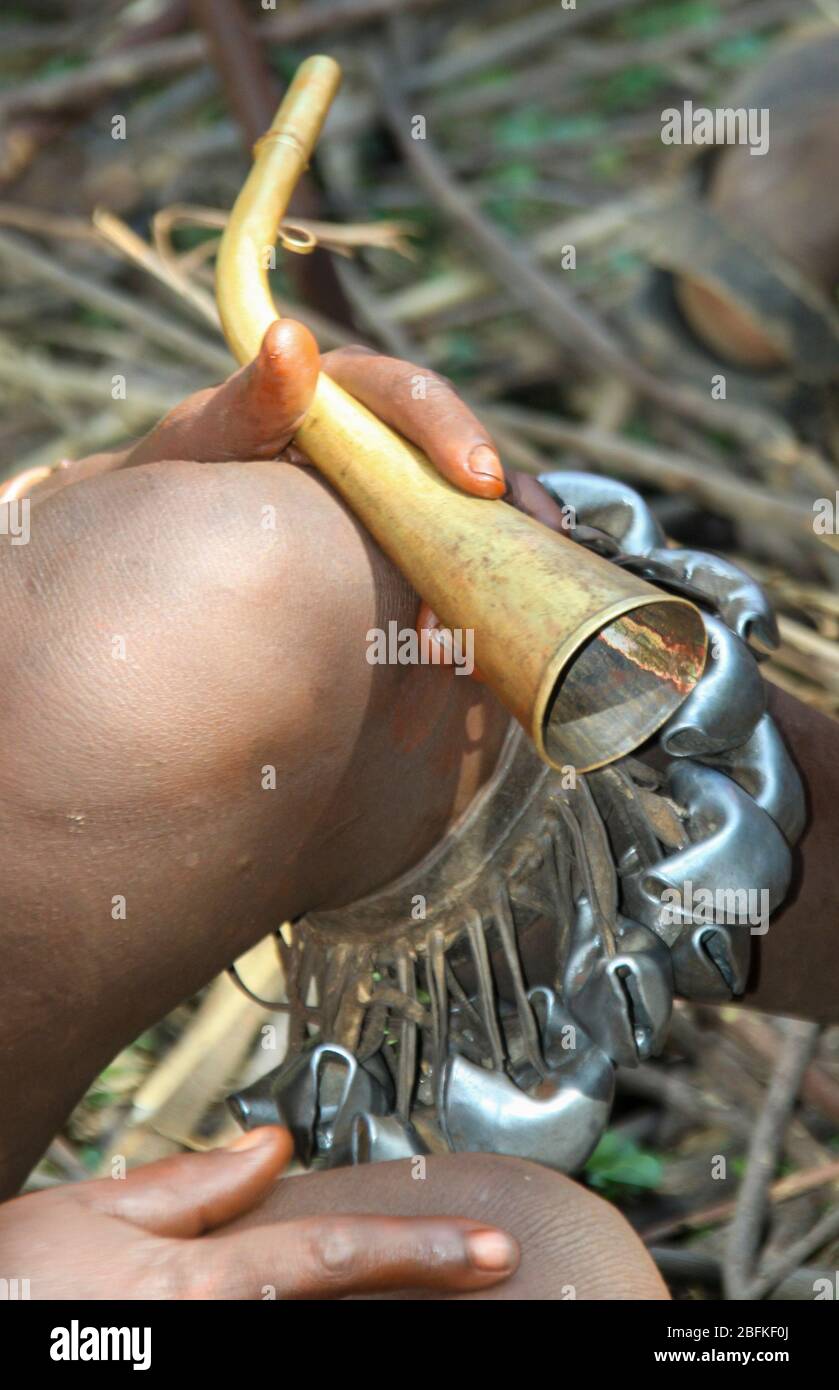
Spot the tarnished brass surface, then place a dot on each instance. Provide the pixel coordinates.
(590, 659)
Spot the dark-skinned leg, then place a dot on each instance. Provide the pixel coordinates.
(143, 778)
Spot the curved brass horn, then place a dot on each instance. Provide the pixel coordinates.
(589, 659)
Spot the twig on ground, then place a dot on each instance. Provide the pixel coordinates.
(86, 85)
(506, 42)
(784, 1190)
(437, 294)
(656, 467)
(824, 1231)
(758, 1036)
(741, 1263)
(81, 288)
(560, 315)
(676, 1093)
(126, 240)
(685, 1267)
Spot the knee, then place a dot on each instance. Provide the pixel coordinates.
(160, 618)
(574, 1244)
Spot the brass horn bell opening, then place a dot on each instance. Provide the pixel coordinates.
(621, 683)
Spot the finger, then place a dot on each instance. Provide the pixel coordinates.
(252, 415)
(331, 1257)
(192, 1193)
(527, 495)
(427, 410)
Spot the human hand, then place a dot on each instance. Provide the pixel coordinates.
(255, 412)
(159, 1233)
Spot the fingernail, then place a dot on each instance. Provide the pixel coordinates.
(251, 1140)
(491, 1250)
(485, 463)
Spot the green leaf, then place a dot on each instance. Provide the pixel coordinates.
(632, 88)
(608, 161)
(61, 62)
(662, 19)
(517, 177)
(529, 125)
(462, 356)
(95, 318)
(741, 50)
(625, 262)
(622, 1161)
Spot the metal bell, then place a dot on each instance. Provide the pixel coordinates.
(256, 1104)
(736, 868)
(742, 603)
(382, 1138)
(609, 505)
(558, 1121)
(711, 963)
(623, 1001)
(344, 1097)
(724, 707)
(314, 1094)
(763, 767)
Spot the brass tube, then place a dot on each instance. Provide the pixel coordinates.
(589, 659)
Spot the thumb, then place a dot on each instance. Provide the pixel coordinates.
(192, 1193)
(252, 415)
